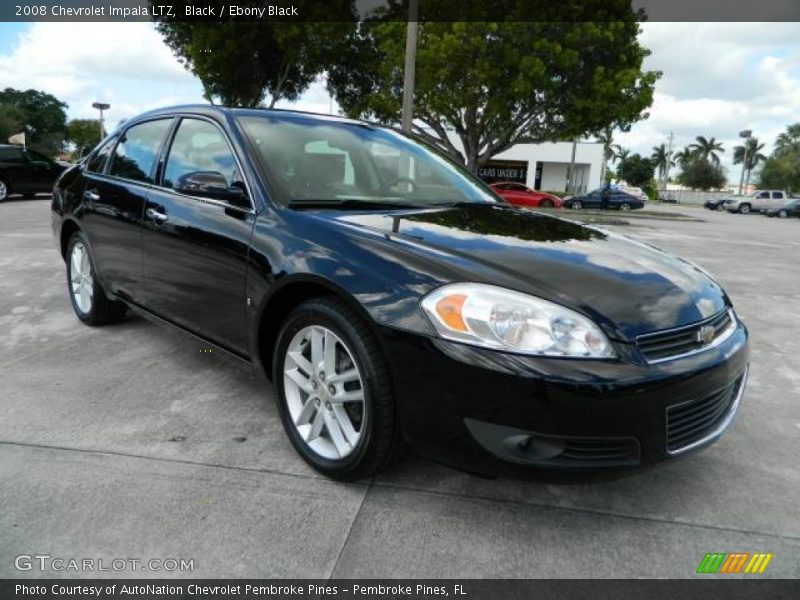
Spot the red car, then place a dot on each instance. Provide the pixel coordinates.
(521, 195)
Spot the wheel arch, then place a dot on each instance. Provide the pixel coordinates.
(68, 229)
(285, 297)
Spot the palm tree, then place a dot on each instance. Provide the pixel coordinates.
(620, 153)
(663, 161)
(751, 149)
(606, 137)
(707, 148)
(684, 157)
(788, 141)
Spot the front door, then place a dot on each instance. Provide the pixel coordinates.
(196, 234)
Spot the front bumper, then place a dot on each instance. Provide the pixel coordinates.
(484, 411)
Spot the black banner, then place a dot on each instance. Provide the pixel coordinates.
(385, 589)
(428, 10)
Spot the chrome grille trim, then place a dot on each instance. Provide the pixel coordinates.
(689, 329)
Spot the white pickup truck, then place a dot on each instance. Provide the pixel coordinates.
(757, 201)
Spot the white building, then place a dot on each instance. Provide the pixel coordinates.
(546, 166)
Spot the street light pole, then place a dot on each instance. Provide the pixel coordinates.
(410, 67)
(101, 106)
(746, 135)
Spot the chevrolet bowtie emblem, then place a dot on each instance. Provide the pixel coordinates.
(705, 335)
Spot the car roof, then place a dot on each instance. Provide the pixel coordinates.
(212, 110)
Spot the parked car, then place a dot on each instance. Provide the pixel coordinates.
(636, 192)
(26, 172)
(600, 198)
(521, 195)
(719, 203)
(386, 306)
(756, 201)
(790, 209)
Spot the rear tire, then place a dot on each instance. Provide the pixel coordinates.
(546, 204)
(783, 214)
(345, 433)
(89, 300)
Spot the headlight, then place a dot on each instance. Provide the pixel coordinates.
(494, 317)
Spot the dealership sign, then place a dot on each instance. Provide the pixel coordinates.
(504, 170)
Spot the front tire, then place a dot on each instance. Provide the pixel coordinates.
(624, 206)
(744, 209)
(783, 214)
(334, 392)
(546, 203)
(576, 205)
(89, 300)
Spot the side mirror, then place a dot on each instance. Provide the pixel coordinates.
(210, 184)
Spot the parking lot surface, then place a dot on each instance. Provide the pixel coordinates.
(131, 441)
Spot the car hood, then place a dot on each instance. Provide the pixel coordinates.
(628, 287)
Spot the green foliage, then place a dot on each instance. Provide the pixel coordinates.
(702, 173)
(242, 63)
(12, 121)
(84, 133)
(42, 117)
(636, 170)
(707, 149)
(651, 189)
(782, 169)
(492, 85)
(662, 160)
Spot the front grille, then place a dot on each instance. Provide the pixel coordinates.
(692, 421)
(663, 345)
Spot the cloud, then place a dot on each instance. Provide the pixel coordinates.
(718, 79)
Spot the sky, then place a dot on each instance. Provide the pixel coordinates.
(718, 78)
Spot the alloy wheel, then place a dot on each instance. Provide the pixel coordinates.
(624, 206)
(81, 280)
(577, 205)
(783, 214)
(3, 191)
(744, 209)
(324, 392)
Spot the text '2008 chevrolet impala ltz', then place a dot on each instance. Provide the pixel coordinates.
(390, 295)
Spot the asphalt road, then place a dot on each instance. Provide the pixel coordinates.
(131, 442)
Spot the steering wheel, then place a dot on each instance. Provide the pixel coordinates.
(389, 185)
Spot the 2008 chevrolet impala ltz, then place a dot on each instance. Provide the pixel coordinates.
(390, 295)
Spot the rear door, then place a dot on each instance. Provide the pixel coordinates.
(778, 199)
(118, 179)
(196, 235)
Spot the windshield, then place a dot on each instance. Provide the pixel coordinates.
(315, 161)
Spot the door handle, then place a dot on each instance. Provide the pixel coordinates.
(91, 195)
(153, 214)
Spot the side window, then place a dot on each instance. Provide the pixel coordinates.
(778, 195)
(137, 150)
(199, 149)
(35, 157)
(763, 195)
(98, 161)
(10, 154)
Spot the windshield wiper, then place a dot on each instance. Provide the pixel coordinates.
(351, 203)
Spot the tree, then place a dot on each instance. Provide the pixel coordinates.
(702, 173)
(43, 118)
(606, 137)
(707, 148)
(636, 170)
(482, 87)
(12, 121)
(751, 149)
(788, 141)
(684, 157)
(620, 154)
(242, 63)
(84, 133)
(782, 169)
(662, 160)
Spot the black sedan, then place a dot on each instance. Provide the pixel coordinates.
(790, 209)
(26, 172)
(716, 203)
(389, 295)
(604, 199)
